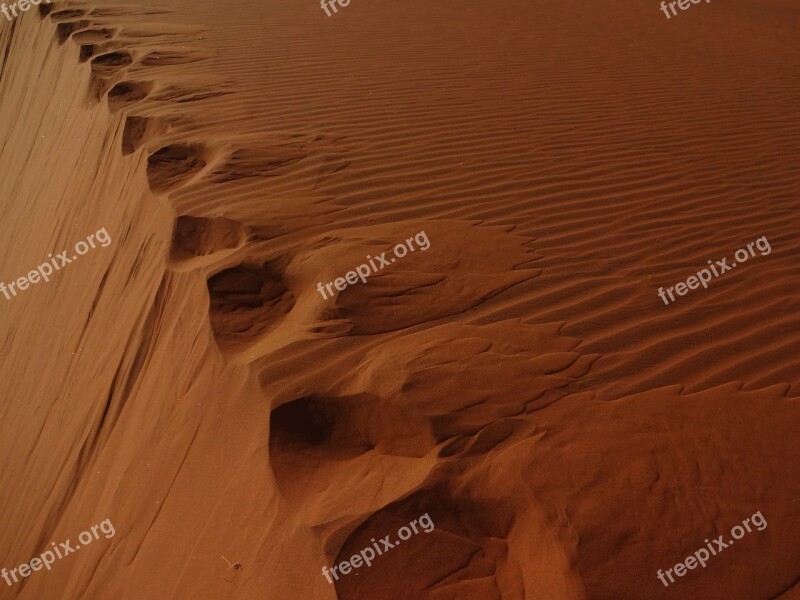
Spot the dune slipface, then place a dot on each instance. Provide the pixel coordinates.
(399, 301)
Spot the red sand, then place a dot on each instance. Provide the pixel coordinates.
(520, 381)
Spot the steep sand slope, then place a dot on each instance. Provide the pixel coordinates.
(519, 381)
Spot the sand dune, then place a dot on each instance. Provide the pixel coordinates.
(520, 381)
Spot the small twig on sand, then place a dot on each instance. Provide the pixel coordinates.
(235, 565)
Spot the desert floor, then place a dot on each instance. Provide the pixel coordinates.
(511, 376)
